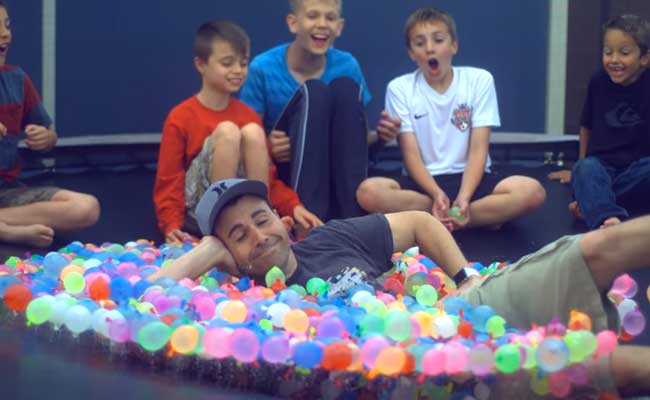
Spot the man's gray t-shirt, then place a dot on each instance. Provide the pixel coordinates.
(345, 253)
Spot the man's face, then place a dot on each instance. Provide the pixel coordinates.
(254, 235)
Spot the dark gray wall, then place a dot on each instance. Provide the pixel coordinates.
(122, 65)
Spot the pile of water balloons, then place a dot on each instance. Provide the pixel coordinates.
(411, 326)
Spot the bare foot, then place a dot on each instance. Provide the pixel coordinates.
(611, 221)
(34, 235)
(575, 210)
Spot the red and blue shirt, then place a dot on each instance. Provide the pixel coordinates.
(20, 105)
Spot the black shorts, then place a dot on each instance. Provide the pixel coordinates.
(451, 184)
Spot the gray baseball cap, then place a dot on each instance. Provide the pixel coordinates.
(221, 193)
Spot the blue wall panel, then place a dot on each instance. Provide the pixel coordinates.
(27, 44)
(122, 65)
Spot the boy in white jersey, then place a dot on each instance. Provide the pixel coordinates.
(447, 115)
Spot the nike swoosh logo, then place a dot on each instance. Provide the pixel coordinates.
(418, 116)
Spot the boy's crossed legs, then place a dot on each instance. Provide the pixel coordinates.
(32, 215)
(604, 194)
(511, 197)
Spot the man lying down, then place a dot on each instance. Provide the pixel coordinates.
(245, 237)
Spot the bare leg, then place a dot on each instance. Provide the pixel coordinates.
(631, 370)
(226, 151)
(617, 250)
(32, 235)
(255, 153)
(384, 195)
(513, 197)
(66, 211)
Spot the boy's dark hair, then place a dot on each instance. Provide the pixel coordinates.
(428, 15)
(3, 3)
(633, 25)
(229, 32)
(294, 6)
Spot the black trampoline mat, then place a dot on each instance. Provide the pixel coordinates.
(38, 370)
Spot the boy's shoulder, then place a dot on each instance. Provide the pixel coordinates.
(405, 80)
(473, 73)
(184, 106)
(337, 55)
(14, 70)
(273, 55)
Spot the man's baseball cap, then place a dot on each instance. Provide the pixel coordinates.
(221, 193)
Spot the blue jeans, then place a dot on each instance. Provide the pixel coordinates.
(603, 191)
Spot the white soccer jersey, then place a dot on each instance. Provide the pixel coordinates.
(442, 123)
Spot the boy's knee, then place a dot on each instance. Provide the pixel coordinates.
(535, 195)
(87, 209)
(253, 133)
(368, 195)
(346, 89)
(226, 131)
(585, 167)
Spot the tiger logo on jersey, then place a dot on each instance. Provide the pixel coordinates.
(462, 117)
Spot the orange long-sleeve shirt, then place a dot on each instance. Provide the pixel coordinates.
(186, 128)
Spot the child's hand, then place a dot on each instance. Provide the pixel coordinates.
(177, 236)
(440, 208)
(388, 127)
(460, 218)
(564, 176)
(3, 129)
(280, 146)
(305, 218)
(39, 138)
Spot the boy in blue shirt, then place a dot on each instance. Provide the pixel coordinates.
(311, 98)
(612, 176)
(447, 114)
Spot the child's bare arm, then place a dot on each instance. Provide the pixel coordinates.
(477, 158)
(40, 138)
(584, 141)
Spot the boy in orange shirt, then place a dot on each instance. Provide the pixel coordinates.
(212, 136)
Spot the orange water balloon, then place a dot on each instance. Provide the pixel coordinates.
(184, 339)
(336, 357)
(295, 321)
(17, 297)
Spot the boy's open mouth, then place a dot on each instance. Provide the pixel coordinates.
(433, 64)
(4, 48)
(320, 39)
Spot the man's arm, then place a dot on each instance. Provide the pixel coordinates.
(209, 254)
(417, 228)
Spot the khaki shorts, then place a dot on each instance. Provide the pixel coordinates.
(545, 285)
(20, 196)
(197, 181)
